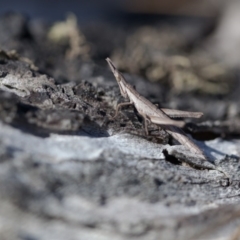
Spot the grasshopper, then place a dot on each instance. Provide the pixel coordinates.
(152, 114)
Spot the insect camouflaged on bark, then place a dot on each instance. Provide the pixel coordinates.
(151, 113)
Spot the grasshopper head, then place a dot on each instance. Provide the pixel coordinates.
(120, 79)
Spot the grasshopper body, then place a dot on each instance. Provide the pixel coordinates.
(151, 113)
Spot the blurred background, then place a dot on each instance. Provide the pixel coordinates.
(218, 14)
(92, 9)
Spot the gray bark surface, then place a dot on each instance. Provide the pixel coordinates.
(68, 172)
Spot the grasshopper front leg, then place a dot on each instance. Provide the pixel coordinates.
(119, 106)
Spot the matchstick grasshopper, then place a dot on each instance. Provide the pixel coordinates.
(152, 114)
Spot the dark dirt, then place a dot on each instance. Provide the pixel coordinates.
(68, 171)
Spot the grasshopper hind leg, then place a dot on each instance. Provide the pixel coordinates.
(146, 122)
